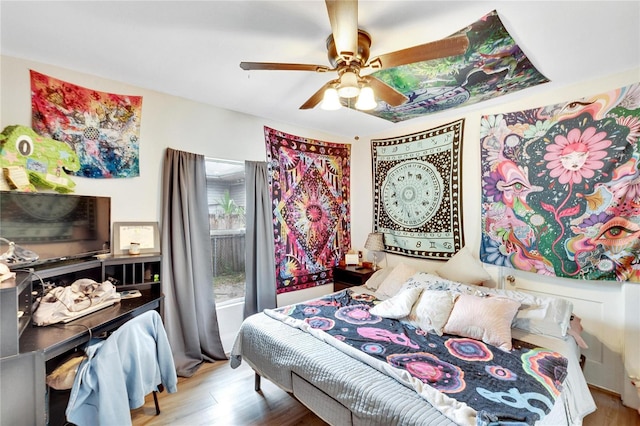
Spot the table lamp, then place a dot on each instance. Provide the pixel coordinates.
(375, 243)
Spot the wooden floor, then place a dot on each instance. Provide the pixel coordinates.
(220, 395)
(610, 411)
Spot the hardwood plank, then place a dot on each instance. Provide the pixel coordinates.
(220, 395)
(610, 411)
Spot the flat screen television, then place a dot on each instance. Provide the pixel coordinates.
(55, 226)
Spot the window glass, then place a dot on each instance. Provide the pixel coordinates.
(226, 198)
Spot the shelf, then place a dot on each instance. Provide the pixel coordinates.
(139, 272)
(136, 272)
(15, 297)
(37, 349)
(48, 270)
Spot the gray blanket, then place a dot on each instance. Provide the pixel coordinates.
(373, 397)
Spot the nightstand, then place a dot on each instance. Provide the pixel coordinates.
(349, 276)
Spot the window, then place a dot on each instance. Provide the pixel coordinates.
(226, 198)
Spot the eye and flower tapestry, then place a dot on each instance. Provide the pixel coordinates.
(309, 181)
(102, 128)
(561, 188)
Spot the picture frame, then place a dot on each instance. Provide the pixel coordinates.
(351, 258)
(146, 234)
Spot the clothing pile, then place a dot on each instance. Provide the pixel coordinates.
(64, 303)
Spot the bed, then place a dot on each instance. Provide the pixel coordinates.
(386, 375)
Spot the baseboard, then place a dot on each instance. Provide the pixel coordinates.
(606, 391)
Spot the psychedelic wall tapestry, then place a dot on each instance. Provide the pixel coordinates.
(493, 65)
(102, 128)
(309, 182)
(417, 188)
(561, 188)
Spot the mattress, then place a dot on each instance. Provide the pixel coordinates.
(300, 363)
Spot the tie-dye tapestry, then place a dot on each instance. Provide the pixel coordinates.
(493, 65)
(417, 192)
(561, 188)
(102, 128)
(309, 182)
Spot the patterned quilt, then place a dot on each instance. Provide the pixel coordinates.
(450, 372)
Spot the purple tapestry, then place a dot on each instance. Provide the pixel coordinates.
(309, 182)
(561, 188)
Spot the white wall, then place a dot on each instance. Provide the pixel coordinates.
(167, 122)
(610, 320)
(610, 311)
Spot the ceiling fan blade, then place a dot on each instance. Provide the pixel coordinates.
(316, 98)
(450, 46)
(343, 15)
(283, 67)
(385, 92)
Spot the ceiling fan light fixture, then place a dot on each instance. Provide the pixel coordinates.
(331, 100)
(366, 99)
(348, 87)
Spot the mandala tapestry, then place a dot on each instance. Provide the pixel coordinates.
(417, 187)
(493, 65)
(309, 182)
(102, 128)
(561, 188)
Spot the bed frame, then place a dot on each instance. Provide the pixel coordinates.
(344, 391)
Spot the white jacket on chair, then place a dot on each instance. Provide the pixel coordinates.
(120, 371)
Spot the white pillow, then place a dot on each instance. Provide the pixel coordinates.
(398, 306)
(432, 310)
(483, 318)
(394, 281)
(464, 268)
(434, 282)
(538, 314)
(546, 315)
(376, 279)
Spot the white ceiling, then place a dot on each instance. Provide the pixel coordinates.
(193, 49)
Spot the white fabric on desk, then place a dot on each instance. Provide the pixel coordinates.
(80, 298)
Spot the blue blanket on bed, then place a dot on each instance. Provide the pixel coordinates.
(506, 388)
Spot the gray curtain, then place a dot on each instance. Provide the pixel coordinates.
(260, 292)
(187, 270)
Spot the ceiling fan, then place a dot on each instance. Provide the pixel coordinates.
(348, 49)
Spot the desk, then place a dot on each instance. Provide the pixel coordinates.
(22, 377)
(56, 339)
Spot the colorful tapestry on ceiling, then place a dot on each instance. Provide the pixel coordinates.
(309, 182)
(417, 189)
(493, 65)
(561, 188)
(102, 128)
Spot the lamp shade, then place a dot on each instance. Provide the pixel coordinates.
(375, 242)
(330, 101)
(366, 100)
(348, 85)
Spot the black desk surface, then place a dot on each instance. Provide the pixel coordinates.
(57, 339)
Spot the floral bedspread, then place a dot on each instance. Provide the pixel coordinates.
(451, 372)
